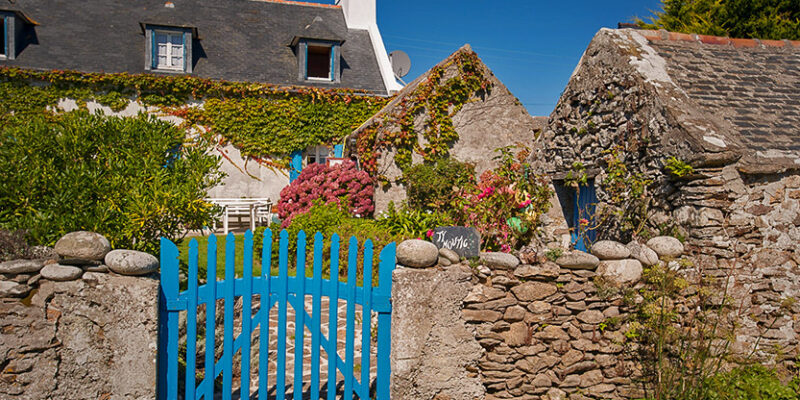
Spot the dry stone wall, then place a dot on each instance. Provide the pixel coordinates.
(72, 329)
(544, 330)
(549, 328)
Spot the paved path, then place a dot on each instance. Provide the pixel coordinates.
(290, 350)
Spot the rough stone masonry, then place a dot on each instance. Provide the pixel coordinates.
(78, 331)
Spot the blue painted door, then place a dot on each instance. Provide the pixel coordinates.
(278, 294)
(584, 231)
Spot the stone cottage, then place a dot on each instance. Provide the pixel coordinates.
(697, 136)
(489, 119)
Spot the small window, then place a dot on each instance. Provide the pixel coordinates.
(169, 50)
(317, 155)
(319, 62)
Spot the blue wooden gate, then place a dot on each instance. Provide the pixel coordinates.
(269, 291)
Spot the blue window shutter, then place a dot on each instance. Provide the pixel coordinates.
(297, 165)
(338, 150)
(183, 38)
(153, 49)
(305, 67)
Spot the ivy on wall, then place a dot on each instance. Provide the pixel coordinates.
(431, 105)
(264, 121)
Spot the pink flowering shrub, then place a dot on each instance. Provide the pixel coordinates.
(342, 184)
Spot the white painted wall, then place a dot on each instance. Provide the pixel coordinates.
(245, 179)
(362, 14)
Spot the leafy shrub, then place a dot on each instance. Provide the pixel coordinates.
(329, 219)
(131, 179)
(341, 184)
(753, 382)
(411, 222)
(432, 186)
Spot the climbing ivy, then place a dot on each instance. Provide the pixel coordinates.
(435, 100)
(264, 121)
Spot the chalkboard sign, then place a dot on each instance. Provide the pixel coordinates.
(466, 242)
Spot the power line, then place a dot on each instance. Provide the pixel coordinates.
(480, 47)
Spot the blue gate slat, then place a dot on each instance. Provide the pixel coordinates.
(333, 318)
(283, 272)
(247, 314)
(211, 312)
(350, 293)
(227, 342)
(385, 269)
(315, 289)
(281, 291)
(299, 316)
(380, 302)
(168, 338)
(191, 320)
(266, 305)
(366, 317)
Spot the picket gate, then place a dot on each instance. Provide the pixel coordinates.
(281, 291)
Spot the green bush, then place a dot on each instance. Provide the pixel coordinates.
(131, 179)
(433, 186)
(329, 219)
(410, 222)
(752, 383)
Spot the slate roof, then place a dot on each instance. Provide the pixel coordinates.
(240, 40)
(753, 86)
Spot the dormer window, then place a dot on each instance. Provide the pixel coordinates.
(168, 48)
(14, 27)
(318, 60)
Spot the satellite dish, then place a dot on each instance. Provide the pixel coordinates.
(401, 64)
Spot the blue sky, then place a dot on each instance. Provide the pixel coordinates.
(531, 45)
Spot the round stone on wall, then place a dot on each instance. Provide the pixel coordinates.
(21, 266)
(83, 245)
(620, 272)
(644, 254)
(415, 253)
(578, 260)
(610, 250)
(666, 246)
(58, 272)
(131, 262)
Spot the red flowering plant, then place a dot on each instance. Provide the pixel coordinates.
(342, 184)
(506, 203)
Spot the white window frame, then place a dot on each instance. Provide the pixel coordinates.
(315, 152)
(169, 34)
(329, 78)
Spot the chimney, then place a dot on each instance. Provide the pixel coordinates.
(359, 14)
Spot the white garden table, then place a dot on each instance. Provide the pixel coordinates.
(253, 208)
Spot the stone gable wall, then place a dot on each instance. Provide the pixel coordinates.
(735, 223)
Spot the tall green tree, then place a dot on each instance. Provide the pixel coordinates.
(762, 19)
